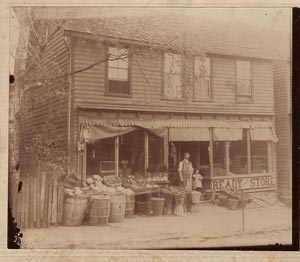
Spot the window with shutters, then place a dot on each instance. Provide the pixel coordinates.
(243, 81)
(118, 72)
(172, 76)
(202, 79)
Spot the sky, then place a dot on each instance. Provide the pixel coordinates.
(269, 18)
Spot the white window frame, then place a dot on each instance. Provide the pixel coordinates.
(206, 75)
(172, 70)
(243, 77)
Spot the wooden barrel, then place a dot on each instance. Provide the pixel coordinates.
(74, 210)
(195, 197)
(117, 208)
(169, 204)
(157, 206)
(99, 210)
(129, 208)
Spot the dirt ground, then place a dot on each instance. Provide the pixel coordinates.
(213, 226)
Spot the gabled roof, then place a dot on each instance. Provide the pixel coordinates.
(190, 33)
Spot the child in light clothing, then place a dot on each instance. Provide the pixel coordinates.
(197, 181)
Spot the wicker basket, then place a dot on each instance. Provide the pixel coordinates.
(195, 197)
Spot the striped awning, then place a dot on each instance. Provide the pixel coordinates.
(263, 134)
(189, 134)
(226, 134)
(153, 123)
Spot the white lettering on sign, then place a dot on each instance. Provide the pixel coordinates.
(244, 182)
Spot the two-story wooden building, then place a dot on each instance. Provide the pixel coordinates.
(148, 89)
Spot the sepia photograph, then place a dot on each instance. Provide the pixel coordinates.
(137, 128)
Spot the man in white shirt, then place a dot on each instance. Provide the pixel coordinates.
(185, 171)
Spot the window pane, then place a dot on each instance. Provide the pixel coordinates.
(173, 86)
(207, 66)
(219, 168)
(123, 74)
(112, 73)
(243, 69)
(238, 156)
(244, 87)
(172, 63)
(202, 88)
(113, 63)
(259, 156)
(202, 67)
(176, 81)
(119, 87)
(123, 63)
(113, 51)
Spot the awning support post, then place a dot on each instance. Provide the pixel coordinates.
(84, 162)
(146, 147)
(117, 155)
(210, 153)
(248, 152)
(227, 157)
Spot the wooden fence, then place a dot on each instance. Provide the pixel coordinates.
(39, 203)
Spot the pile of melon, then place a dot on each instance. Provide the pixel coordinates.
(95, 184)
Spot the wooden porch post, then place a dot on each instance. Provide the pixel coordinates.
(270, 158)
(248, 151)
(84, 163)
(227, 157)
(146, 148)
(117, 156)
(166, 152)
(210, 153)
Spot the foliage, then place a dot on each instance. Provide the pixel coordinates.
(46, 151)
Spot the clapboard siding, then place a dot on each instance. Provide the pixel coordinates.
(283, 126)
(56, 61)
(147, 83)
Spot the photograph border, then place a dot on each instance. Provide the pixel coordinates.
(153, 255)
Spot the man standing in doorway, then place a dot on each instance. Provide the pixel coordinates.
(185, 170)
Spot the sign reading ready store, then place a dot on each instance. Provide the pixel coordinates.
(244, 182)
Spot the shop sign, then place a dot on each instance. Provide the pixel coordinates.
(244, 182)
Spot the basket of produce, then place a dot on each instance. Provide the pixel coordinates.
(112, 181)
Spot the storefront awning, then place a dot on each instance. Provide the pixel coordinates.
(226, 134)
(94, 133)
(189, 134)
(159, 123)
(263, 134)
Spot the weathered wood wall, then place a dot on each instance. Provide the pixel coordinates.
(40, 201)
(283, 125)
(147, 84)
(39, 102)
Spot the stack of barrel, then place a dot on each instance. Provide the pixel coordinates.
(101, 209)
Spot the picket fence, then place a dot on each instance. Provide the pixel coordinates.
(38, 203)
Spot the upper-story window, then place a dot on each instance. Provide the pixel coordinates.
(244, 81)
(202, 83)
(172, 76)
(118, 71)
